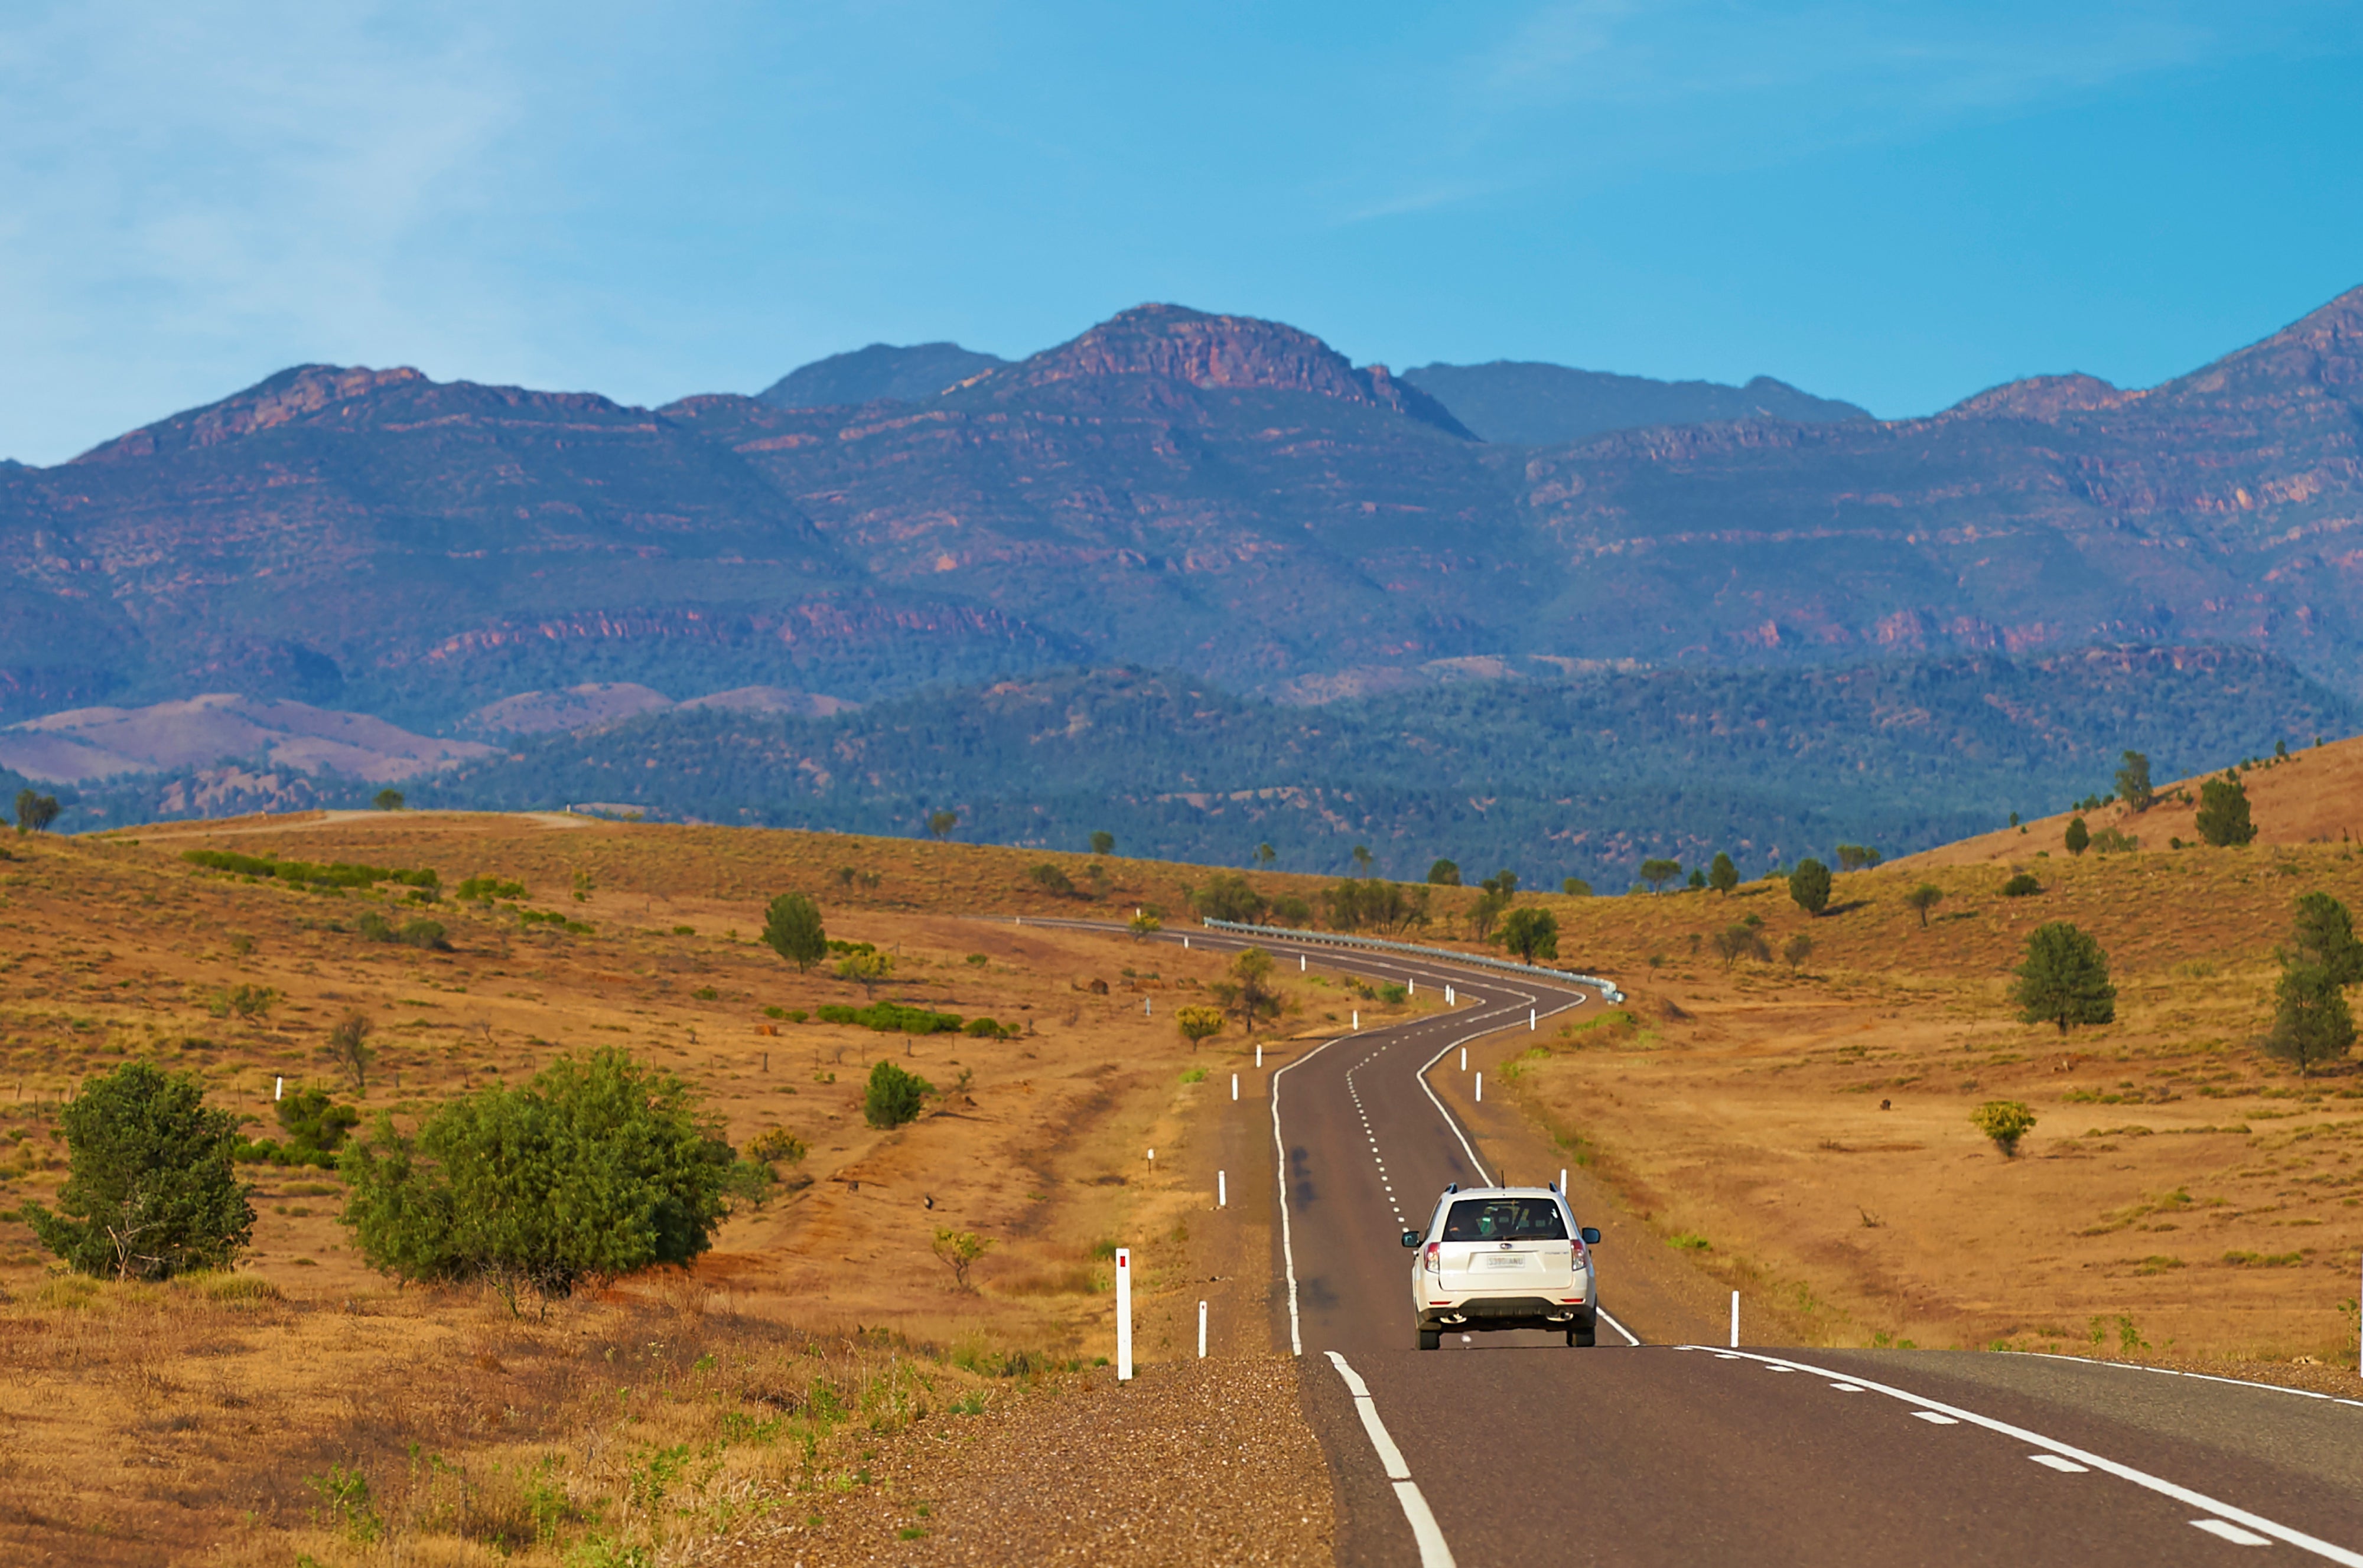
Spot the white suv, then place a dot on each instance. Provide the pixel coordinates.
(1504, 1257)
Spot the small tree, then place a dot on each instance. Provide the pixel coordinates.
(1199, 1022)
(2132, 782)
(1531, 933)
(1230, 897)
(2223, 811)
(1857, 858)
(1362, 859)
(1144, 925)
(1798, 948)
(940, 823)
(2005, 1121)
(349, 1052)
(1265, 854)
(1722, 876)
(2311, 1020)
(148, 1190)
(1922, 899)
(959, 1250)
(1658, 871)
(2324, 937)
(2079, 837)
(1250, 994)
(865, 969)
(792, 928)
(1443, 873)
(1740, 940)
(35, 812)
(1809, 884)
(2064, 979)
(387, 799)
(1102, 842)
(894, 1097)
(1576, 888)
(1052, 880)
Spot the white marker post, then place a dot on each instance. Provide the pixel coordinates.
(1185, 945)
(279, 1089)
(1144, 1007)
(1411, 985)
(1258, 1053)
(1481, 1089)
(1235, 1086)
(1358, 1021)
(1735, 1319)
(1464, 1058)
(1222, 1189)
(1562, 1181)
(1530, 1021)
(1124, 1314)
(1300, 963)
(1201, 1330)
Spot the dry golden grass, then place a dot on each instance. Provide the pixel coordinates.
(116, 949)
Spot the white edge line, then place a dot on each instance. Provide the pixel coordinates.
(1280, 1151)
(2159, 1485)
(1433, 1551)
(1630, 1337)
(2201, 1376)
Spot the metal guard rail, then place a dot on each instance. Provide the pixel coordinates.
(1478, 960)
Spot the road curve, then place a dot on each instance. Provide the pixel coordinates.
(1514, 1447)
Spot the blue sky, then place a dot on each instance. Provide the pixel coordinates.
(1896, 205)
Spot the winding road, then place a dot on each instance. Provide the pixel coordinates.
(1656, 1449)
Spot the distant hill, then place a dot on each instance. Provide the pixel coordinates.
(1530, 404)
(882, 372)
(89, 744)
(1170, 489)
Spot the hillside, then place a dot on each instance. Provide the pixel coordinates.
(880, 373)
(1224, 496)
(1530, 404)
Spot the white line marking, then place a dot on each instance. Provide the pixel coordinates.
(1433, 1553)
(2230, 1532)
(1933, 1419)
(2224, 1511)
(1287, 1243)
(2201, 1376)
(2065, 1466)
(1630, 1337)
(1847, 1387)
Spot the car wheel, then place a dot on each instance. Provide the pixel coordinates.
(1431, 1339)
(1581, 1336)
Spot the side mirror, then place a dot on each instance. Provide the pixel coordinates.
(1592, 1235)
(1411, 1237)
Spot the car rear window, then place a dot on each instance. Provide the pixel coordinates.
(1504, 1220)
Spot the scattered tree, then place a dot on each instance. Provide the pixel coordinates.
(35, 812)
(2080, 837)
(1697, 879)
(387, 799)
(1102, 842)
(894, 1097)
(1658, 871)
(1230, 897)
(1531, 933)
(2064, 979)
(594, 1169)
(1250, 994)
(1922, 899)
(1265, 854)
(2133, 783)
(1797, 949)
(1199, 1022)
(1576, 888)
(1809, 884)
(2022, 885)
(1857, 858)
(2324, 938)
(1144, 925)
(865, 969)
(959, 1250)
(2312, 1022)
(349, 1052)
(940, 823)
(1052, 880)
(148, 1191)
(1741, 940)
(792, 928)
(1722, 876)
(1362, 859)
(1443, 873)
(2005, 1121)
(2223, 811)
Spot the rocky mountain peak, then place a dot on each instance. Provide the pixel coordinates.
(289, 395)
(2041, 397)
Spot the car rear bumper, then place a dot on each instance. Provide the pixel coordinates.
(1486, 1314)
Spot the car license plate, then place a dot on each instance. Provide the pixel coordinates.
(1513, 1261)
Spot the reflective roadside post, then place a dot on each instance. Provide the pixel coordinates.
(1124, 1314)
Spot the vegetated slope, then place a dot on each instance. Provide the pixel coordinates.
(1579, 777)
(882, 372)
(1211, 493)
(1527, 404)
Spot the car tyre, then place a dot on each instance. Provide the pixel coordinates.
(1581, 1336)
(1431, 1339)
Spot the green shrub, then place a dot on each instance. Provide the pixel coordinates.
(308, 874)
(1809, 885)
(2223, 811)
(890, 1018)
(423, 933)
(894, 1096)
(2005, 1121)
(315, 1128)
(596, 1168)
(2021, 886)
(778, 1145)
(484, 890)
(792, 928)
(148, 1192)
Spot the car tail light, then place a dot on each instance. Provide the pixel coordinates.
(1576, 1253)
(1430, 1259)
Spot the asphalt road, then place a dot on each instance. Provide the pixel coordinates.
(1514, 1447)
